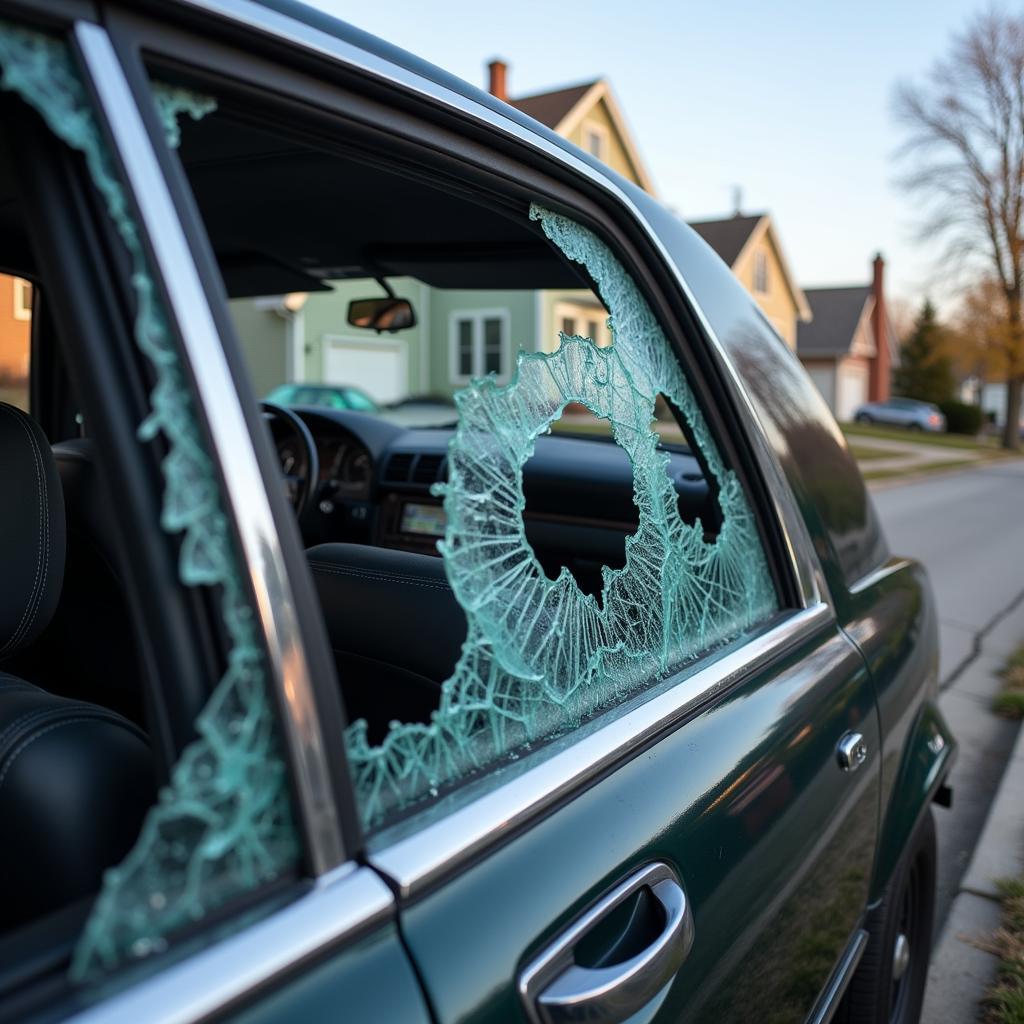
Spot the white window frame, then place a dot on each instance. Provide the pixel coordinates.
(21, 311)
(761, 272)
(591, 129)
(478, 316)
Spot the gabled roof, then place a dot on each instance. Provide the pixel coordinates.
(552, 108)
(837, 314)
(729, 236)
(561, 110)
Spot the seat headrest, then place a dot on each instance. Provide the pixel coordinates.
(389, 606)
(32, 533)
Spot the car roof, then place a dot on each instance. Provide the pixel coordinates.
(320, 21)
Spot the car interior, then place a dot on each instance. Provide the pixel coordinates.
(283, 216)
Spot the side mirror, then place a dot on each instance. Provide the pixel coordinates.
(384, 314)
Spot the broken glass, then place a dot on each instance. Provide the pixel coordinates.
(540, 655)
(223, 825)
(174, 100)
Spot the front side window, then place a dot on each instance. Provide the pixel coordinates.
(547, 528)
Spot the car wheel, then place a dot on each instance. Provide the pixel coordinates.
(888, 987)
(916, 427)
(863, 417)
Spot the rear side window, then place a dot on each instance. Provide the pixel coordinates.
(544, 449)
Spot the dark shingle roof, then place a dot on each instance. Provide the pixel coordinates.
(551, 107)
(837, 311)
(727, 237)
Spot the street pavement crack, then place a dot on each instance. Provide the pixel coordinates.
(979, 641)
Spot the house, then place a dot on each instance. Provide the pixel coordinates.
(749, 245)
(587, 114)
(460, 333)
(849, 348)
(15, 338)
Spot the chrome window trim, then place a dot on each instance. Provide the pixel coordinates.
(339, 904)
(232, 448)
(804, 564)
(423, 857)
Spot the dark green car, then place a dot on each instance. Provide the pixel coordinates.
(596, 695)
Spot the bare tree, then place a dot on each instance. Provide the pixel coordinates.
(966, 142)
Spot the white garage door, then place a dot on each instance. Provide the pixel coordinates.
(824, 378)
(380, 368)
(853, 390)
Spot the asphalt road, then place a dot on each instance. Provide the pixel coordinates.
(968, 529)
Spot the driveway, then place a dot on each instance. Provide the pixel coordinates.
(968, 529)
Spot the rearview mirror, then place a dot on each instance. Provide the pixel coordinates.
(384, 314)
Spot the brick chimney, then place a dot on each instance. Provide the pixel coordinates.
(498, 79)
(879, 380)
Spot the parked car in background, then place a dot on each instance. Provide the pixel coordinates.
(903, 412)
(472, 722)
(330, 396)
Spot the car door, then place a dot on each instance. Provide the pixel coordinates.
(244, 871)
(696, 837)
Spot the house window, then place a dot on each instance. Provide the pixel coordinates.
(568, 326)
(760, 272)
(595, 141)
(22, 299)
(592, 331)
(479, 342)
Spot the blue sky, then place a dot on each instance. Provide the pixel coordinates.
(790, 100)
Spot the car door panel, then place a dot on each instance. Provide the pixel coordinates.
(371, 981)
(773, 843)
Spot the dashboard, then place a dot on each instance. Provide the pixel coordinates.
(375, 478)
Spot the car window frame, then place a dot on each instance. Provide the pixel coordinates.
(590, 194)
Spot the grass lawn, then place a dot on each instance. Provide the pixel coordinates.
(986, 444)
(920, 469)
(1010, 703)
(866, 452)
(1004, 1003)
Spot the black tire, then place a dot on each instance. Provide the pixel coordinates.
(876, 995)
(863, 417)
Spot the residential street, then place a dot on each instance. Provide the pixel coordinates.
(968, 530)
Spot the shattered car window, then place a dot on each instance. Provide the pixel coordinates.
(540, 655)
(224, 824)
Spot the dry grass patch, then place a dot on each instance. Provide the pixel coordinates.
(1010, 703)
(1004, 1003)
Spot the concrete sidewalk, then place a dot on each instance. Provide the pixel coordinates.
(961, 972)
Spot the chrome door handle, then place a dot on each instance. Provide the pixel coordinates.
(852, 751)
(557, 990)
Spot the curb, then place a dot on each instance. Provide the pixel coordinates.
(961, 969)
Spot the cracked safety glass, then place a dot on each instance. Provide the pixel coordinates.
(540, 654)
(223, 825)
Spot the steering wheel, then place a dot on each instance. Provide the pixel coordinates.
(302, 475)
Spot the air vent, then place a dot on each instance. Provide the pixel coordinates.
(399, 468)
(428, 469)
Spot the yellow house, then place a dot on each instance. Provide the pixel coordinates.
(750, 246)
(589, 116)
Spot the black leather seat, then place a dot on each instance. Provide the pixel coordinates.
(75, 778)
(395, 627)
